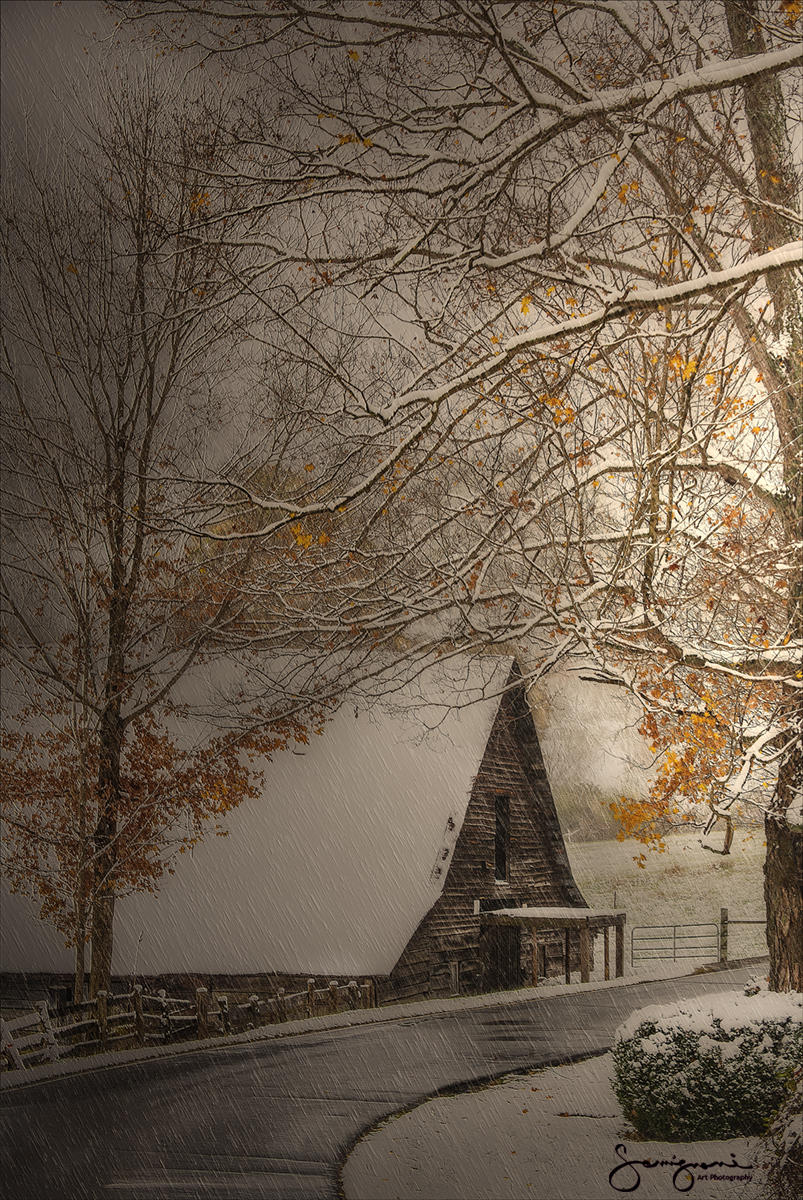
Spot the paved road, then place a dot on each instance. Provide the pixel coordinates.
(275, 1119)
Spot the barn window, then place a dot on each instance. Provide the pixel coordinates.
(502, 838)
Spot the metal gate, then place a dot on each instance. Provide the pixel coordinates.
(674, 942)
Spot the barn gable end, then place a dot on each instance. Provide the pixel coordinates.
(451, 950)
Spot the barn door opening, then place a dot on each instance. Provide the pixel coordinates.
(503, 968)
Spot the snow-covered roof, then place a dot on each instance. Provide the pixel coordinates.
(332, 868)
(549, 913)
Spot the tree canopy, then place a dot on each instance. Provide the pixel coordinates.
(543, 261)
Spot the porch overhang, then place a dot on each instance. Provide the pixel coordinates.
(587, 921)
(555, 918)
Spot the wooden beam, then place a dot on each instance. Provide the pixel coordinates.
(620, 949)
(542, 922)
(607, 954)
(585, 954)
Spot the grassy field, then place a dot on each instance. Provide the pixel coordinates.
(683, 885)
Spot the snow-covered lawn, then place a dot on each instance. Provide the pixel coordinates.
(684, 885)
(551, 1134)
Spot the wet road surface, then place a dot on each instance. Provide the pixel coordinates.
(276, 1119)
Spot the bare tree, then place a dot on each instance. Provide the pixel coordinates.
(119, 320)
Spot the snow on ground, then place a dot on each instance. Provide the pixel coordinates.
(548, 1134)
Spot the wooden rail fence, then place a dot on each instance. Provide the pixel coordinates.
(122, 1021)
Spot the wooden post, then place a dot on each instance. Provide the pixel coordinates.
(620, 949)
(365, 990)
(202, 1012)
(311, 997)
(164, 1015)
(281, 1005)
(139, 1016)
(535, 957)
(607, 953)
(354, 994)
(723, 935)
(7, 1047)
(567, 954)
(334, 995)
(223, 1005)
(50, 1037)
(253, 1002)
(102, 1007)
(585, 953)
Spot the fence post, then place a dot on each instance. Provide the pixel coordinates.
(165, 1016)
(139, 1016)
(102, 1007)
(50, 1037)
(354, 994)
(607, 952)
(253, 1003)
(281, 1005)
(723, 935)
(620, 949)
(223, 1005)
(311, 997)
(585, 953)
(365, 993)
(202, 1012)
(7, 1046)
(334, 995)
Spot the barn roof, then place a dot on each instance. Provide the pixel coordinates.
(334, 865)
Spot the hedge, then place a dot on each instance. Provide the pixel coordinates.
(713, 1068)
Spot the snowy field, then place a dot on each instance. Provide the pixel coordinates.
(684, 885)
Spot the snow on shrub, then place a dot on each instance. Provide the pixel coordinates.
(715, 1067)
(780, 1153)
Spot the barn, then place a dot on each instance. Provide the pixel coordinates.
(414, 842)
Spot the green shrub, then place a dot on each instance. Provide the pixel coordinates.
(780, 1153)
(712, 1068)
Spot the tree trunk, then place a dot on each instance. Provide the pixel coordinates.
(776, 186)
(783, 872)
(105, 851)
(783, 893)
(80, 970)
(83, 884)
(102, 942)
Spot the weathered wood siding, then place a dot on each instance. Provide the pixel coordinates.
(538, 869)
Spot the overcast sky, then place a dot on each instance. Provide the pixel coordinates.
(49, 52)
